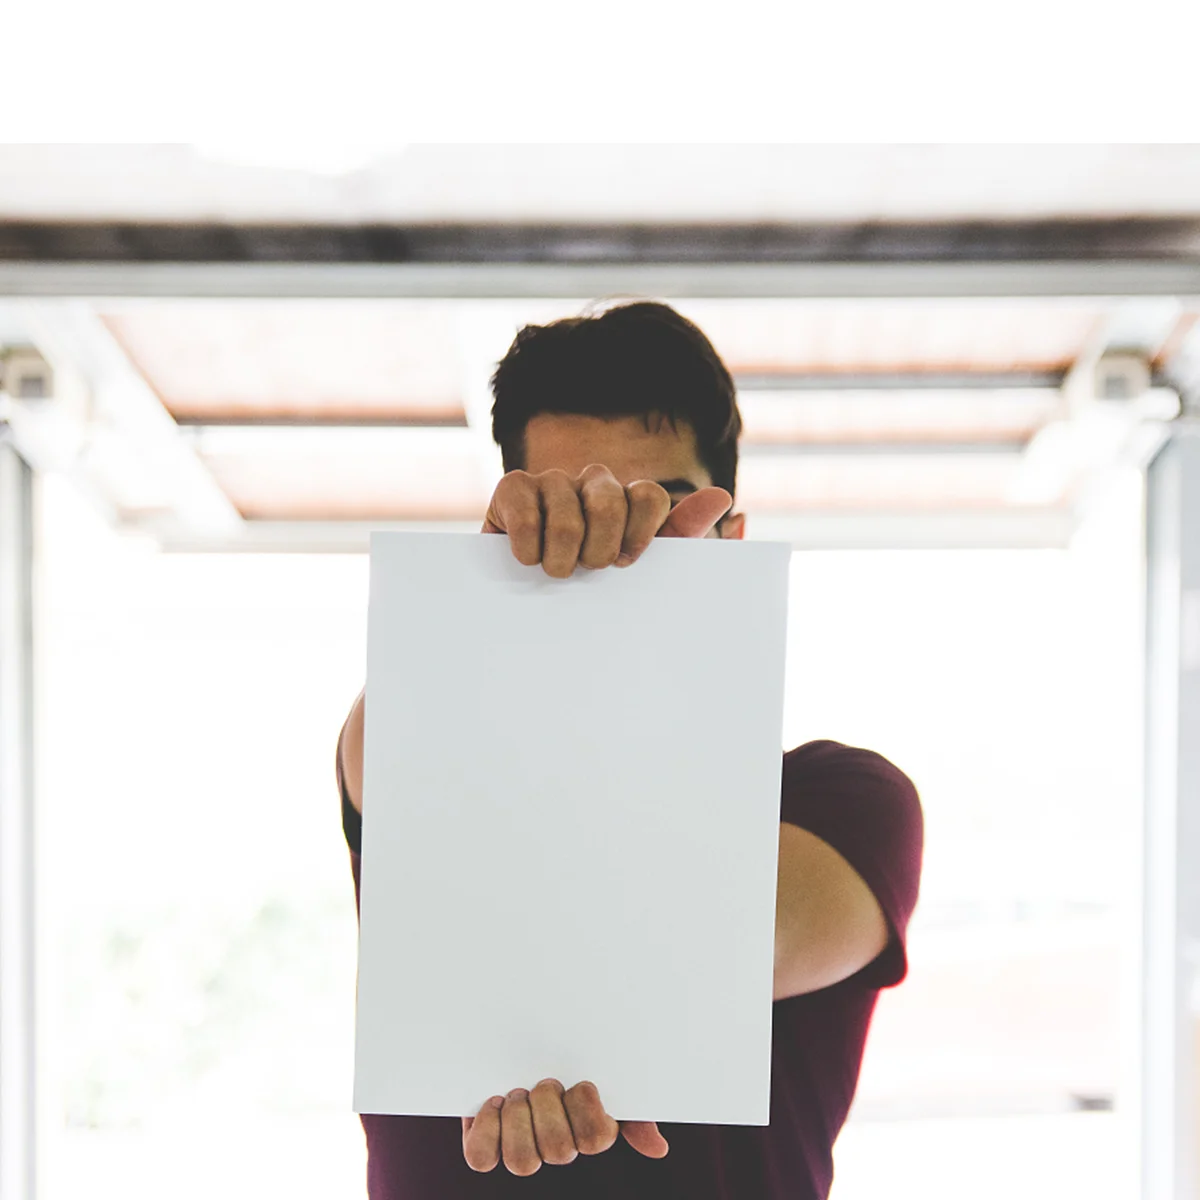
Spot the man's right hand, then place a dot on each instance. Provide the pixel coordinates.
(592, 520)
(551, 1125)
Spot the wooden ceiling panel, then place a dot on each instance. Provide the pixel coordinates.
(909, 482)
(772, 417)
(296, 360)
(790, 336)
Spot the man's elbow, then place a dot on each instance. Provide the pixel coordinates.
(805, 967)
(828, 924)
(351, 751)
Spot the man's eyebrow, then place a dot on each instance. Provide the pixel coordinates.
(677, 485)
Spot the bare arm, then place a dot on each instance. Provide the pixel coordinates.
(828, 924)
(351, 750)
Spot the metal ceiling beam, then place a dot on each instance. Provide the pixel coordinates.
(626, 243)
(119, 441)
(1001, 447)
(1168, 1016)
(1093, 435)
(1100, 279)
(900, 381)
(224, 420)
(1048, 258)
(338, 441)
(19, 1107)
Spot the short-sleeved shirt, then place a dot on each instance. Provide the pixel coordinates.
(866, 809)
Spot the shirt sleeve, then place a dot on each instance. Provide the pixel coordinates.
(868, 810)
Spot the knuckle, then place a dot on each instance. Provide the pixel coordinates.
(595, 471)
(514, 481)
(607, 504)
(479, 1161)
(647, 489)
(522, 1164)
(598, 561)
(559, 1151)
(569, 526)
(594, 1132)
(600, 554)
(595, 1141)
(524, 527)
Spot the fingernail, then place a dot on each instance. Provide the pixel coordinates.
(497, 1101)
(518, 1094)
(623, 560)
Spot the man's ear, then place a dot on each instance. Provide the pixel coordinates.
(734, 525)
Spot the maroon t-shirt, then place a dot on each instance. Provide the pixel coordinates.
(867, 810)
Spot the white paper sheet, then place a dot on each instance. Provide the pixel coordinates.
(570, 828)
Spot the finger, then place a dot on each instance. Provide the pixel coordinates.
(604, 512)
(481, 1136)
(696, 514)
(515, 510)
(645, 1138)
(517, 1144)
(594, 1130)
(551, 1129)
(649, 505)
(563, 523)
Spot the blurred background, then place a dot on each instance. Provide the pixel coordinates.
(224, 364)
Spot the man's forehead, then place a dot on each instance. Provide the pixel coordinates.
(631, 447)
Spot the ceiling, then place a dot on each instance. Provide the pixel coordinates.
(307, 422)
(217, 385)
(264, 387)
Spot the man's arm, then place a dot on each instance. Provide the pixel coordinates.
(351, 750)
(828, 924)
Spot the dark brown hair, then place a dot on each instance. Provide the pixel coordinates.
(638, 358)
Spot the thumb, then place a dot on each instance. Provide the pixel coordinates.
(645, 1138)
(696, 514)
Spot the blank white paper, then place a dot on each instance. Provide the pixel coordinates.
(570, 827)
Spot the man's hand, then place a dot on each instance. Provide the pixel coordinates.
(593, 520)
(549, 1125)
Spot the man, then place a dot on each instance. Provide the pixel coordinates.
(617, 428)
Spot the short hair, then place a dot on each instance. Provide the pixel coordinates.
(632, 359)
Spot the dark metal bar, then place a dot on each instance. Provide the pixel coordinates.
(1143, 240)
